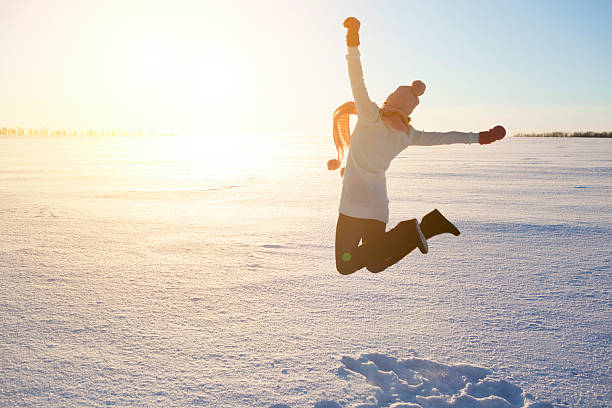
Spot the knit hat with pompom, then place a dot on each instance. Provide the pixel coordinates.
(399, 105)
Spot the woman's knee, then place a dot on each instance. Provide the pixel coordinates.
(377, 267)
(344, 268)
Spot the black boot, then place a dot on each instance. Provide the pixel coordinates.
(435, 223)
(411, 236)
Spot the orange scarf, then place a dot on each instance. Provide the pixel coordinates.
(342, 133)
(342, 130)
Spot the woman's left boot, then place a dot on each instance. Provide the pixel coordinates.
(377, 254)
(435, 223)
(406, 236)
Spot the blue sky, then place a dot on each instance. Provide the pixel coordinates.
(278, 66)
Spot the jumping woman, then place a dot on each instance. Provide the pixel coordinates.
(379, 136)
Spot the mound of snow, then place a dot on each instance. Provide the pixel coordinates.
(419, 383)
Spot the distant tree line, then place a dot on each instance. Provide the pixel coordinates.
(19, 131)
(565, 134)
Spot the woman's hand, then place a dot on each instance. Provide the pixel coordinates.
(352, 36)
(491, 135)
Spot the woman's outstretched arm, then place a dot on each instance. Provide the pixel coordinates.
(367, 111)
(422, 138)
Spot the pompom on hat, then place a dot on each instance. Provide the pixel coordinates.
(418, 87)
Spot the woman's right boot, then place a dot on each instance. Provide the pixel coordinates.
(435, 223)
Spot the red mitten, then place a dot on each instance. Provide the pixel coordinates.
(491, 135)
(352, 35)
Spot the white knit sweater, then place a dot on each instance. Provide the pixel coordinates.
(373, 145)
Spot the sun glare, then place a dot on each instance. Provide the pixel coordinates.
(180, 81)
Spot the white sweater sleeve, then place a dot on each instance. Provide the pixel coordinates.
(367, 111)
(421, 138)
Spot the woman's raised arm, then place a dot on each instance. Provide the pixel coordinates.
(367, 111)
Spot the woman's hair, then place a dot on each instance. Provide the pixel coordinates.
(342, 133)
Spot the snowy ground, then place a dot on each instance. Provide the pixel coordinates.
(137, 274)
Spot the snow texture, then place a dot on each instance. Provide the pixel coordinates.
(142, 272)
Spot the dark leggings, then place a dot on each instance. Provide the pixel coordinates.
(379, 249)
